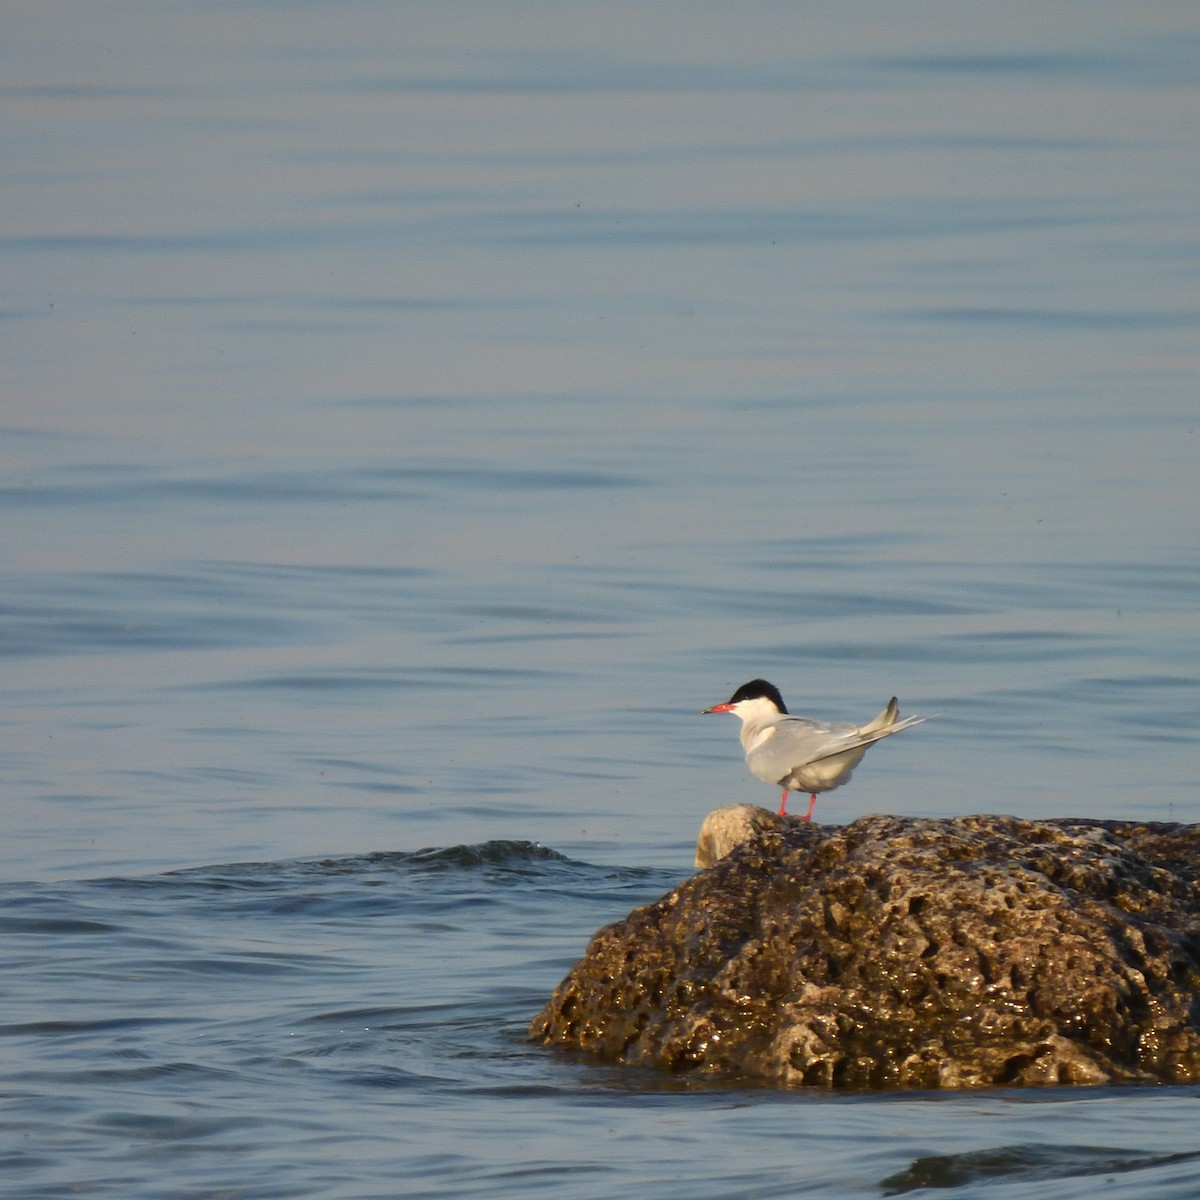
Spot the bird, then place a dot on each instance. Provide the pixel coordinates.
(799, 754)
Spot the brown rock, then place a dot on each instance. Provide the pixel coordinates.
(897, 952)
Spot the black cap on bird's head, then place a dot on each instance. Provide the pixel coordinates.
(756, 689)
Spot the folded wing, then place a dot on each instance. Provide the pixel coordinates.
(808, 755)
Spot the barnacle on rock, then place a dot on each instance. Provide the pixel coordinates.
(896, 952)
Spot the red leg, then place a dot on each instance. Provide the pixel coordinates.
(812, 803)
(783, 804)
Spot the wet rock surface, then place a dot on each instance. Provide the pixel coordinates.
(905, 953)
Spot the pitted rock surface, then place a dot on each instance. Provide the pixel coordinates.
(905, 953)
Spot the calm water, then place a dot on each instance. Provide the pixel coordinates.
(412, 415)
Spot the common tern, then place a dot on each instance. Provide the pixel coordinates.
(796, 753)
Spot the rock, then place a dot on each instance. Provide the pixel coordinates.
(725, 828)
(905, 953)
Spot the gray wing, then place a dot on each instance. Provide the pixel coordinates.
(797, 741)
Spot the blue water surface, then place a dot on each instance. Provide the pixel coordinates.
(413, 415)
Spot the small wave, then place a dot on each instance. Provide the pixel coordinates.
(55, 926)
(1023, 1162)
(500, 853)
(503, 854)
